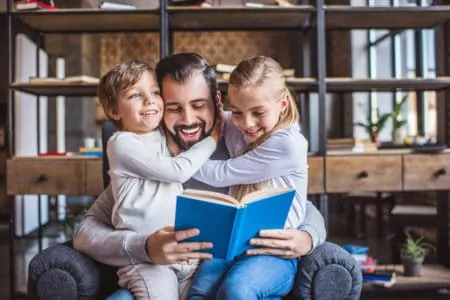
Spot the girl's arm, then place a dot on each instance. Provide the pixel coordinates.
(129, 156)
(279, 155)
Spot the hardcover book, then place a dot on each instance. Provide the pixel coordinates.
(229, 224)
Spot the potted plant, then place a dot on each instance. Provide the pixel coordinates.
(373, 128)
(398, 123)
(413, 252)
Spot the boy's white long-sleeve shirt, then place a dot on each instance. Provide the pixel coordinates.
(146, 180)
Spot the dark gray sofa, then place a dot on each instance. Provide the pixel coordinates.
(60, 272)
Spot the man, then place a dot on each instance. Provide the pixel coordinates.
(189, 89)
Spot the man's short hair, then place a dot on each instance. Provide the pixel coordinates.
(181, 66)
(119, 78)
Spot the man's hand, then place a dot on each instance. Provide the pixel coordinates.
(286, 243)
(163, 246)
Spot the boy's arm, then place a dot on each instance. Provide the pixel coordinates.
(96, 237)
(314, 224)
(129, 156)
(279, 155)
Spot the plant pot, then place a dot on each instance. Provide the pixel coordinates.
(412, 266)
(398, 136)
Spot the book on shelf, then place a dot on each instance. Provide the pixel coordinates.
(116, 5)
(224, 70)
(78, 79)
(35, 5)
(229, 224)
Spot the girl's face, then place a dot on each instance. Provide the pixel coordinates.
(254, 112)
(140, 108)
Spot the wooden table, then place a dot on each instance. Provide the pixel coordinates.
(430, 285)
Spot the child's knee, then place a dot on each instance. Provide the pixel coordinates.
(235, 288)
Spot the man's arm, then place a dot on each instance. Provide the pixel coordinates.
(314, 224)
(96, 237)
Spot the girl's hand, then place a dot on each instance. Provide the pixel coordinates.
(164, 247)
(285, 243)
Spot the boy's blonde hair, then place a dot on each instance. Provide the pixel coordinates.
(262, 71)
(118, 79)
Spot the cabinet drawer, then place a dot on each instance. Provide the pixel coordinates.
(94, 177)
(363, 173)
(315, 175)
(51, 176)
(426, 172)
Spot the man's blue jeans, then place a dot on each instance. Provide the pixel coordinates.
(122, 294)
(246, 278)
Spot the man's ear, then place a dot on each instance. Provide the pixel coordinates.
(218, 98)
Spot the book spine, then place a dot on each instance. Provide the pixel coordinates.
(234, 238)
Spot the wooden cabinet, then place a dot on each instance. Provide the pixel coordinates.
(49, 176)
(363, 173)
(426, 172)
(315, 173)
(94, 177)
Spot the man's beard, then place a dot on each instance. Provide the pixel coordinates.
(184, 145)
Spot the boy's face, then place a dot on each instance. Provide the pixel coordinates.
(189, 111)
(140, 108)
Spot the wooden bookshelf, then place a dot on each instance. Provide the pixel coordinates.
(351, 17)
(239, 17)
(90, 20)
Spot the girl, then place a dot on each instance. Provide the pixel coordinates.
(268, 150)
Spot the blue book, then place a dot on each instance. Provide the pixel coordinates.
(229, 224)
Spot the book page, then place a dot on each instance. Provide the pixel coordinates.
(209, 195)
(259, 195)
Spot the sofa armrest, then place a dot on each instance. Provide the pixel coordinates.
(60, 272)
(329, 272)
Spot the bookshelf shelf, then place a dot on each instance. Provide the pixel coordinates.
(239, 17)
(348, 17)
(90, 20)
(74, 90)
(389, 84)
(300, 85)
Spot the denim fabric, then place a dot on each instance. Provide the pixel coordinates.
(247, 277)
(122, 294)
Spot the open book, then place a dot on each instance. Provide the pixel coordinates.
(228, 223)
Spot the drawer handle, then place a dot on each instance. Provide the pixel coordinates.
(363, 174)
(440, 172)
(42, 178)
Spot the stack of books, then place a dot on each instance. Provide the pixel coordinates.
(368, 265)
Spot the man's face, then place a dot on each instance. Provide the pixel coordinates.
(189, 109)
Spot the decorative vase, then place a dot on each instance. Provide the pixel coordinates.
(412, 265)
(398, 136)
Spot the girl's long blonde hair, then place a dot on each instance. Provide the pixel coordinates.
(262, 71)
